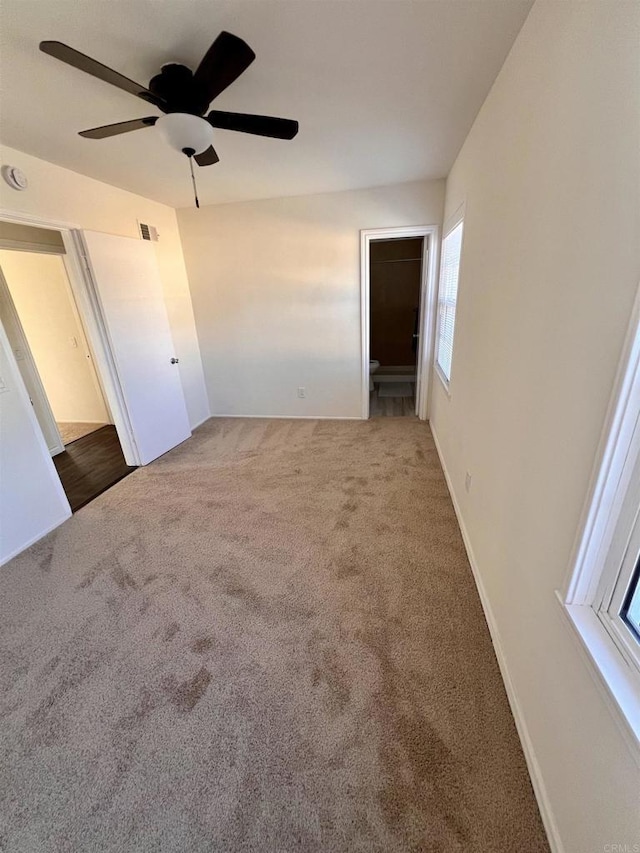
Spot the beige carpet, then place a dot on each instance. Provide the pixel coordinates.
(268, 640)
(72, 430)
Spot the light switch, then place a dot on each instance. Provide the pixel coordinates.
(73, 342)
(3, 385)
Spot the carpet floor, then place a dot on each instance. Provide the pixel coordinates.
(268, 640)
(72, 431)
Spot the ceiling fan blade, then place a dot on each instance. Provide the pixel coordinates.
(223, 63)
(278, 128)
(207, 158)
(91, 66)
(121, 127)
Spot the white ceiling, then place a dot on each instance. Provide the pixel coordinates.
(385, 92)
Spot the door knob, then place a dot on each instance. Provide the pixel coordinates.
(175, 360)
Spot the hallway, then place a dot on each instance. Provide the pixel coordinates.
(91, 464)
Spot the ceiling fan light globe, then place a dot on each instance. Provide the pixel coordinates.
(183, 130)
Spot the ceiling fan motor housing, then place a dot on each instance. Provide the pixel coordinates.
(181, 92)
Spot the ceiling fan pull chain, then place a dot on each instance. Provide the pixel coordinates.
(190, 152)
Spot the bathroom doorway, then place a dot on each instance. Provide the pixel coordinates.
(398, 291)
(395, 276)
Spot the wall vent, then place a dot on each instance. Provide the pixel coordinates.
(148, 232)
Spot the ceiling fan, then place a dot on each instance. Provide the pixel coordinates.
(184, 97)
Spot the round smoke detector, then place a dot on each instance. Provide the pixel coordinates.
(16, 179)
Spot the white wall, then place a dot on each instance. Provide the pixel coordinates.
(59, 194)
(276, 294)
(36, 502)
(550, 174)
(40, 291)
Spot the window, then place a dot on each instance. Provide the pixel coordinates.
(602, 599)
(447, 297)
(631, 608)
(617, 600)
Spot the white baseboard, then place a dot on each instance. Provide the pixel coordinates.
(544, 804)
(34, 539)
(295, 417)
(200, 422)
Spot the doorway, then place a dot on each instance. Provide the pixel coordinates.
(398, 271)
(55, 362)
(118, 292)
(395, 276)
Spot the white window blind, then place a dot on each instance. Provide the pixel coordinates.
(447, 296)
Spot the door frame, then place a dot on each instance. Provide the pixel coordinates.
(38, 391)
(428, 302)
(89, 310)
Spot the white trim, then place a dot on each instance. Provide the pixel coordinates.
(290, 417)
(36, 248)
(616, 580)
(597, 544)
(443, 379)
(454, 219)
(426, 323)
(105, 423)
(37, 537)
(95, 377)
(7, 215)
(200, 422)
(90, 308)
(615, 680)
(595, 523)
(539, 787)
(428, 311)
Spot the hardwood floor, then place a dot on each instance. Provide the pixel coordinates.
(90, 465)
(391, 407)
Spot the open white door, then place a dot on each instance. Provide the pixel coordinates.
(28, 369)
(129, 293)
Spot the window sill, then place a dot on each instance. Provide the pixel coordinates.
(443, 380)
(617, 681)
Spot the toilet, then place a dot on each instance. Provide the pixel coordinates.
(373, 366)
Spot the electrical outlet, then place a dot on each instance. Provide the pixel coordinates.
(467, 482)
(302, 393)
